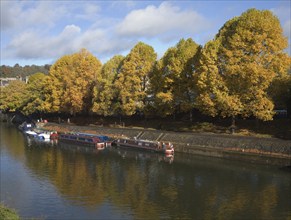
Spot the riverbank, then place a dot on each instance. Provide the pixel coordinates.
(253, 149)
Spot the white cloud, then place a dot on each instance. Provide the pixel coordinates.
(20, 15)
(33, 30)
(40, 30)
(23, 46)
(89, 11)
(163, 21)
(123, 4)
(71, 39)
(70, 31)
(8, 12)
(31, 44)
(47, 30)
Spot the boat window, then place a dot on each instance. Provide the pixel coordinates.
(89, 140)
(82, 139)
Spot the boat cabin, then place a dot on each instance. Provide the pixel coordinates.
(85, 139)
(156, 146)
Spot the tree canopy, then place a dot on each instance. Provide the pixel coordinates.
(133, 79)
(243, 72)
(22, 71)
(14, 96)
(71, 81)
(172, 81)
(36, 92)
(105, 93)
(238, 66)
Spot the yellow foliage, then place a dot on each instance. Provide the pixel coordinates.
(237, 68)
(71, 81)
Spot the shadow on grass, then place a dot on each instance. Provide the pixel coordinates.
(279, 128)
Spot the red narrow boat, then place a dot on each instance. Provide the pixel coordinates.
(155, 146)
(95, 141)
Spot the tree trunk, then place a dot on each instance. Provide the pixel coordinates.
(232, 127)
(191, 116)
(257, 124)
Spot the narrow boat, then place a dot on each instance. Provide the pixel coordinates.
(155, 146)
(97, 141)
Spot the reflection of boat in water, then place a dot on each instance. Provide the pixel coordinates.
(155, 146)
(43, 137)
(97, 141)
(126, 153)
(68, 147)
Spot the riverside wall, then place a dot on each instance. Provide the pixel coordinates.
(253, 149)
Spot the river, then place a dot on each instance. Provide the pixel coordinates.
(67, 182)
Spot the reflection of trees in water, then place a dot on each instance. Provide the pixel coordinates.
(153, 189)
(13, 140)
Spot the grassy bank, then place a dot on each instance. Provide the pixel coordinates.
(279, 127)
(7, 213)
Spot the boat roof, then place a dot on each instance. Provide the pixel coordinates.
(141, 140)
(102, 137)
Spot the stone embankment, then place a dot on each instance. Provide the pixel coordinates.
(266, 150)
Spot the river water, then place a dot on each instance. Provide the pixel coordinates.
(67, 182)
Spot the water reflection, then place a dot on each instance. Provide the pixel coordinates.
(151, 186)
(139, 155)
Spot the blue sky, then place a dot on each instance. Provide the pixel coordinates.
(40, 32)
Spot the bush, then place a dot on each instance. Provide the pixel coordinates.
(6, 213)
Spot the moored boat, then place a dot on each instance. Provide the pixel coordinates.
(44, 135)
(97, 141)
(155, 146)
(25, 126)
(54, 136)
(39, 137)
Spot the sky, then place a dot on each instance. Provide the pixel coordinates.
(41, 32)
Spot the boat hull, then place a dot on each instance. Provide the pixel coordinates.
(82, 140)
(164, 148)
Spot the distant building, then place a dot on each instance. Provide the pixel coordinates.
(5, 81)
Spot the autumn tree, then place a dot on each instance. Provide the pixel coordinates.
(19, 71)
(238, 66)
(280, 90)
(288, 100)
(160, 93)
(36, 87)
(14, 96)
(210, 85)
(71, 81)
(105, 92)
(172, 81)
(133, 79)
